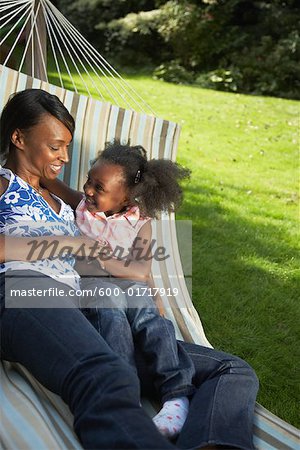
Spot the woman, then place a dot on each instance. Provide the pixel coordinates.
(50, 336)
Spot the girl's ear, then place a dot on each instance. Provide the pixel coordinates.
(17, 138)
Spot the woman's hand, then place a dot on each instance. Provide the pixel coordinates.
(89, 268)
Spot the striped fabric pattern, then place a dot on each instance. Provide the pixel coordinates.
(270, 432)
(31, 416)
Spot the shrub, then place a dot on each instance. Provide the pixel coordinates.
(229, 80)
(173, 72)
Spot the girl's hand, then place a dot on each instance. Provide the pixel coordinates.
(137, 264)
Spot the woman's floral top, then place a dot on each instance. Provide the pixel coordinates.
(25, 213)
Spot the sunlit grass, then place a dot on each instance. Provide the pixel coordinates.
(244, 203)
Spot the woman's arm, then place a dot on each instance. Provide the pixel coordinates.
(63, 191)
(137, 265)
(37, 248)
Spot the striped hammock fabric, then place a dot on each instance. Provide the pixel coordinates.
(32, 417)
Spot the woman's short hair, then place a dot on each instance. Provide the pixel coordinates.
(25, 109)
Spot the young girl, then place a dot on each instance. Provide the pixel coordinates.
(123, 192)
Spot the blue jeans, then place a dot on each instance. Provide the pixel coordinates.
(67, 355)
(127, 318)
(222, 408)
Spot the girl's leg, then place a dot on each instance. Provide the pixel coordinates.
(155, 336)
(173, 377)
(107, 313)
(66, 354)
(221, 411)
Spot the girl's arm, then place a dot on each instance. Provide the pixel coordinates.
(63, 191)
(137, 265)
(3, 185)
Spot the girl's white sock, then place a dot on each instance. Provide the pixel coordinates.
(172, 416)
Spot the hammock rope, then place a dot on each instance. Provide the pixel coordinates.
(67, 46)
(33, 28)
(18, 37)
(87, 70)
(87, 50)
(16, 24)
(12, 13)
(51, 33)
(54, 53)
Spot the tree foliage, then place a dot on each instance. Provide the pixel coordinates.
(237, 45)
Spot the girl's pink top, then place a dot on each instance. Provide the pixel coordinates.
(120, 229)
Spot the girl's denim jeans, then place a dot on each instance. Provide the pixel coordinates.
(127, 318)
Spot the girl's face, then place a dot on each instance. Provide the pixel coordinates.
(105, 188)
(44, 147)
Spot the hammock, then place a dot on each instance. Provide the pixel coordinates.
(32, 417)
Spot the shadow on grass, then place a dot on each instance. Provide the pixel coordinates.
(246, 289)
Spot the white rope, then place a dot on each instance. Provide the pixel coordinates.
(122, 82)
(74, 39)
(66, 42)
(29, 40)
(48, 21)
(85, 69)
(12, 2)
(34, 27)
(5, 8)
(18, 37)
(13, 14)
(87, 48)
(7, 5)
(74, 36)
(81, 39)
(109, 92)
(93, 52)
(52, 46)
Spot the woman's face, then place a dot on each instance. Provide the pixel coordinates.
(105, 189)
(44, 147)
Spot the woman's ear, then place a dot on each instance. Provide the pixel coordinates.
(17, 139)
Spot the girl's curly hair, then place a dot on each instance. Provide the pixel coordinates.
(154, 184)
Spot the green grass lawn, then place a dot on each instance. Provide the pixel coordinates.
(244, 204)
(243, 201)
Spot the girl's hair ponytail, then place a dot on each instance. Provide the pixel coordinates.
(153, 185)
(159, 188)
